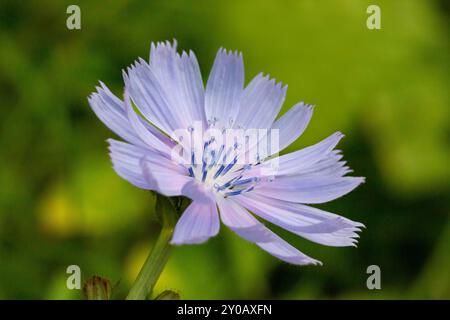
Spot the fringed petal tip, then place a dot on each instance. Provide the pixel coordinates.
(338, 135)
(163, 44)
(317, 263)
(159, 46)
(352, 235)
(230, 53)
(137, 65)
(301, 106)
(273, 82)
(301, 261)
(100, 88)
(297, 258)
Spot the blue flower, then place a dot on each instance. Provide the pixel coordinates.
(233, 180)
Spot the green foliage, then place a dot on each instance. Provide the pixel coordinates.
(388, 91)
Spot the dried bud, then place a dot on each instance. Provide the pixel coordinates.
(168, 295)
(97, 288)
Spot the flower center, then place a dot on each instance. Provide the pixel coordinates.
(220, 171)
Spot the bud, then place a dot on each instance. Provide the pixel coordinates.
(168, 295)
(97, 288)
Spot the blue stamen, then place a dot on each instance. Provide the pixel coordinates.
(228, 152)
(229, 166)
(245, 181)
(217, 156)
(233, 193)
(193, 159)
(219, 171)
(205, 173)
(238, 192)
(213, 153)
(228, 184)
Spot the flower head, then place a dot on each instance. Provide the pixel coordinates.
(219, 147)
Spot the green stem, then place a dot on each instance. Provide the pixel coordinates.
(154, 265)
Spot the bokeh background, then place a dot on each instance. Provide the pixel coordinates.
(387, 90)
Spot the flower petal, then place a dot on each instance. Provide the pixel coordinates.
(224, 89)
(284, 251)
(198, 223)
(181, 81)
(247, 227)
(297, 161)
(111, 111)
(261, 102)
(313, 189)
(163, 179)
(313, 224)
(243, 223)
(328, 166)
(125, 158)
(150, 98)
(146, 132)
(292, 124)
(147, 169)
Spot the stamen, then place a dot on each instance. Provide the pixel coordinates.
(229, 166)
(238, 192)
(233, 193)
(204, 171)
(211, 157)
(222, 166)
(205, 174)
(217, 156)
(213, 153)
(245, 181)
(193, 164)
(219, 171)
(228, 184)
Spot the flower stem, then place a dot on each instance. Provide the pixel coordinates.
(157, 259)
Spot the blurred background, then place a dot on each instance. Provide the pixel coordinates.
(388, 90)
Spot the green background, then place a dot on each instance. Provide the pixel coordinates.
(387, 90)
